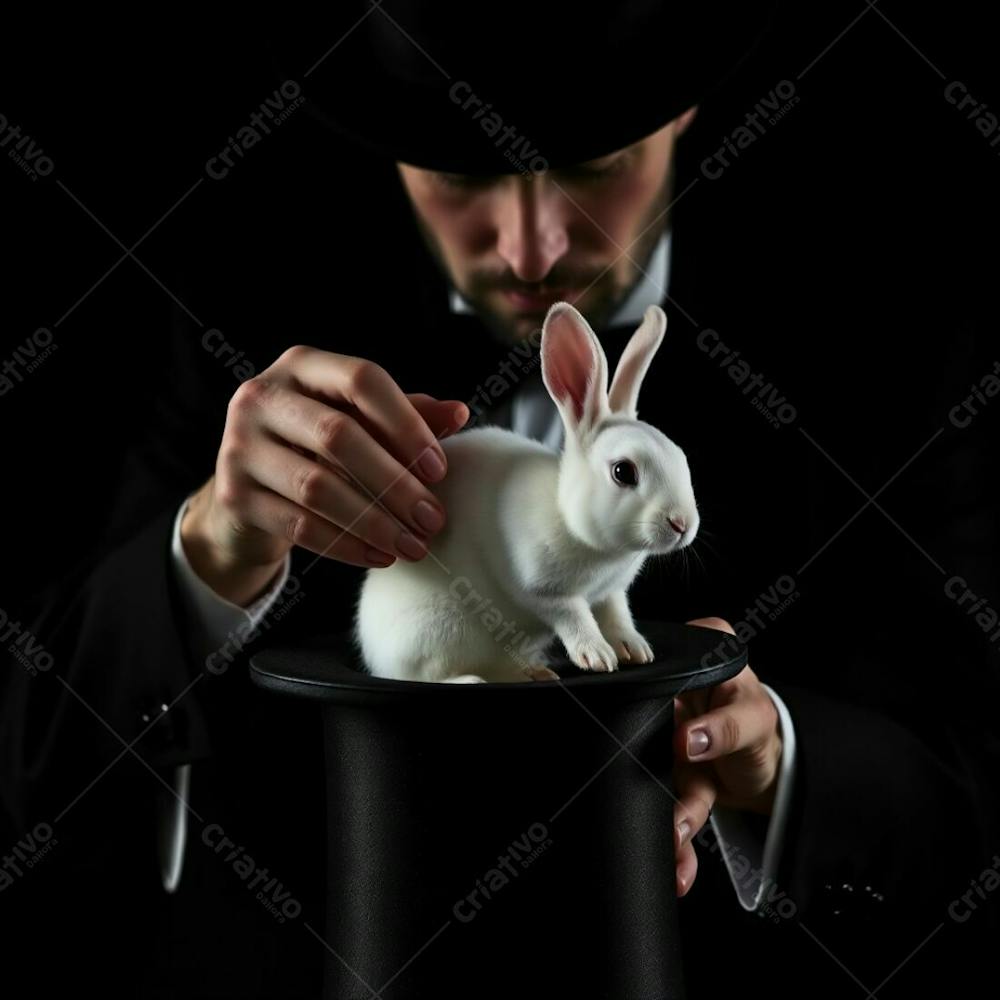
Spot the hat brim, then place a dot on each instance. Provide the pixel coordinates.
(462, 120)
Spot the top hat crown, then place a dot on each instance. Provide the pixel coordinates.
(515, 87)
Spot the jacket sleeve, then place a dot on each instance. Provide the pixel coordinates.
(885, 832)
(97, 666)
(210, 621)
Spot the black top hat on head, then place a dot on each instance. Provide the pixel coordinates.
(517, 87)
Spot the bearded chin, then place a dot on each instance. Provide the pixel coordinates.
(604, 298)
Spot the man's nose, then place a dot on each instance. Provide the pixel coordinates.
(532, 230)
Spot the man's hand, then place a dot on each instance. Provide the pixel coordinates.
(737, 768)
(324, 451)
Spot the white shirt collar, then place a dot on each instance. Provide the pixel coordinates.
(530, 410)
(652, 289)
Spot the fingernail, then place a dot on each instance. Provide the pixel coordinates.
(431, 465)
(428, 516)
(378, 558)
(408, 545)
(698, 742)
(683, 829)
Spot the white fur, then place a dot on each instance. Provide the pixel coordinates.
(537, 544)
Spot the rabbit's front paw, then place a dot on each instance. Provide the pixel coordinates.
(593, 654)
(631, 646)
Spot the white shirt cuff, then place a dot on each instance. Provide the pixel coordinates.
(752, 867)
(212, 619)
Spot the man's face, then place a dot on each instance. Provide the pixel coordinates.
(513, 244)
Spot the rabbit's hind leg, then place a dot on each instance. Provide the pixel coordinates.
(533, 672)
(540, 673)
(438, 668)
(468, 673)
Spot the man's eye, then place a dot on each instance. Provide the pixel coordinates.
(465, 182)
(596, 173)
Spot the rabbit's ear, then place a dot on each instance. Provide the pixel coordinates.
(574, 369)
(634, 362)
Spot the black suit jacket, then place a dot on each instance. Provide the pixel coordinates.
(854, 498)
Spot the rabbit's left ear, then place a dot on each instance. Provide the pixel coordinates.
(574, 369)
(634, 362)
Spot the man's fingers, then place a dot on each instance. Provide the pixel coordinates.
(689, 704)
(443, 416)
(366, 387)
(744, 724)
(316, 489)
(372, 472)
(719, 624)
(687, 868)
(697, 702)
(278, 516)
(696, 793)
(696, 796)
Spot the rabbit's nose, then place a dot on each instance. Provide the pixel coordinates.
(678, 524)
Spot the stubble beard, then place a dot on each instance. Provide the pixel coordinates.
(604, 298)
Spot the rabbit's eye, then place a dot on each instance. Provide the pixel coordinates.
(624, 473)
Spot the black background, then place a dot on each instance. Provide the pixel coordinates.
(857, 240)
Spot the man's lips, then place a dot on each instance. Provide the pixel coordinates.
(531, 302)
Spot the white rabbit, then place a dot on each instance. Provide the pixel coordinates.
(539, 545)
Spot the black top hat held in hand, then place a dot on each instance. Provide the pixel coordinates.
(501, 840)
